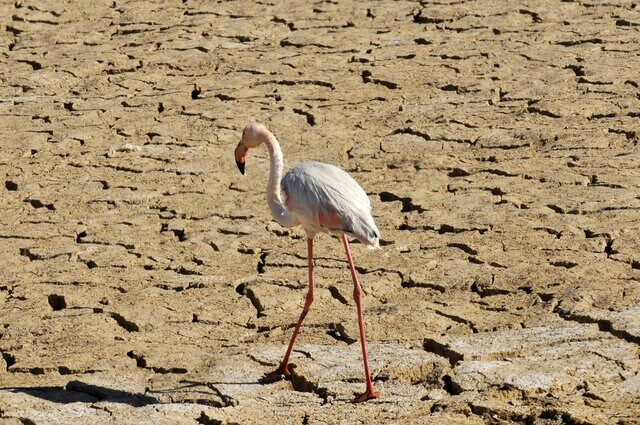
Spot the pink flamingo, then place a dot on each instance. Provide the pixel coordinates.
(321, 198)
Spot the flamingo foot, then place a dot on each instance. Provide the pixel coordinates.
(279, 374)
(371, 393)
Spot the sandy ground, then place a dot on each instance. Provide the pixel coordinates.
(143, 280)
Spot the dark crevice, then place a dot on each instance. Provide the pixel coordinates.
(498, 172)
(13, 30)
(244, 290)
(463, 247)
(139, 358)
(457, 319)
(162, 370)
(243, 38)
(366, 78)
(458, 172)
(34, 65)
(195, 93)
(565, 264)
(446, 228)
(288, 43)
(289, 25)
(487, 292)
(410, 283)
(335, 293)
(629, 134)
(449, 386)
(582, 80)
(223, 97)
(311, 120)
(493, 415)
(302, 384)
(536, 110)
(578, 42)
(180, 288)
(412, 132)
(31, 370)
(204, 419)
(534, 16)
(26, 252)
(435, 347)
(180, 234)
(184, 271)
(338, 332)
(11, 186)
(556, 233)
(261, 263)
(603, 324)
(37, 204)
(295, 82)
(9, 359)
(127, 325)
(142, 363)
(80, 236)
(450, 87)
(418, 18)
(57, 302)
(407, 204)
(545, 297)
(608, 249)
(625, 23)
(556, 208)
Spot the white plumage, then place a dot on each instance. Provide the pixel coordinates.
(313, 190)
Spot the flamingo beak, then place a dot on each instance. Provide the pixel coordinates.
(240, 167)
(241, 156)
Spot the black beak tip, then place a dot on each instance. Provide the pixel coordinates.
(240, 167)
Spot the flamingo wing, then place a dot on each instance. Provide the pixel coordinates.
(326, 198)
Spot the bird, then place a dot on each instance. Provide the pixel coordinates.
(322, 198)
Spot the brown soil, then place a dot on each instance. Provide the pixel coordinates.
(144, 281)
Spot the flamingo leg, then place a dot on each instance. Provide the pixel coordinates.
(282, 372)
(357, 296)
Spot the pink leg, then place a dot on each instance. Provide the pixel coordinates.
(357, 296)
(282, 372)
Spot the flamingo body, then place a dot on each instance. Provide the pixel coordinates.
(325, 198)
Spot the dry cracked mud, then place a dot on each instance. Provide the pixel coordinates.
(143, 280)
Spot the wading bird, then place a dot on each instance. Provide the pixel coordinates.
(321, 198)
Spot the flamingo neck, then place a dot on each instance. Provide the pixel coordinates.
(274, 191)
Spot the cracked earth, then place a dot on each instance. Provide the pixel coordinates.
(144, 281)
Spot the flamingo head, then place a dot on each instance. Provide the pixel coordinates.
(253, 135)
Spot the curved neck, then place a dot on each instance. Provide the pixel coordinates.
(274, 191)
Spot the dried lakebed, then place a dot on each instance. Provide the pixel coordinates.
(143, 279)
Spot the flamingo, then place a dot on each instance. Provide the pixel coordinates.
(321, 198)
